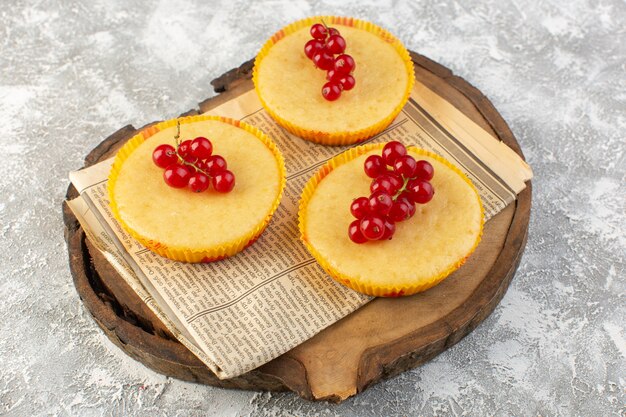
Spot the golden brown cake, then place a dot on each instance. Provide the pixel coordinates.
(288, 83)
(197, 227)
(424, 249)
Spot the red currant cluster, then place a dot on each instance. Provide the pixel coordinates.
(191, 164)
(394, 191)
(326, 51)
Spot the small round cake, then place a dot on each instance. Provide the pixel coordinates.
(197, 226)
(289, 84)
(424, 249)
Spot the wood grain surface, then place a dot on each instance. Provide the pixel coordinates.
(382, 339)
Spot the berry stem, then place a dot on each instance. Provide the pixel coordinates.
(401, 190)
(182, 160)
(191, 164)
(177, 136)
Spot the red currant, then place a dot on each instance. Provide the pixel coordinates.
(406, 197)
(374, 166)
(372, 227)
(319, 31)
(396, 180)
(331, 91)
(184, 148)
(347, 82)
(383, 183)
(400, 211)
(201, 166)
(201, 148)
(424, 170)
(421, 191)
(333, 31)
(198, 182)
(312, 47)
(392, 151)
(323, 60)
(326, 43)
(354, 232)
(215, 164)
(405, 166)
(336, 44)
(390, 229)
(360, 207)
(177, 175)
(344, 64)
(164, 155)
(224, 181)
(380, 203)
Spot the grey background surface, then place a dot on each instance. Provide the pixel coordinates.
(73, 72)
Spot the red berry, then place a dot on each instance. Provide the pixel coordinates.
(164, 155)
(323, 60)
(421, 191)
(380, 203)
(360, 207)
(396, 180)
(424, 170)
(412, 209)
(224, 181)
(383, 183)
(392, 151)
(374, 166)
(400, 210)
(198, 182)
(388, 183)
(372, 227)
(312, 47)
(184, 148)
(177, 175)
(405, 166)
(215, 164)
(347, 82)
(331, 91)
(390, 229)
(201, 165)
(406, 197)
(333, 31)
(344, 64)
(354, 232)
(319, 31)
(201, 148)
(336, 44)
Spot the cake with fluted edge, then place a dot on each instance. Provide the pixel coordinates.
(288, 83)
(197, 227)
(424, 250)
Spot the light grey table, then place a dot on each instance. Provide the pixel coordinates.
(72, 72)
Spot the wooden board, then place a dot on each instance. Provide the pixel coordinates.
(380, 340)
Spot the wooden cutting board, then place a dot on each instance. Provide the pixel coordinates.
(380, 340)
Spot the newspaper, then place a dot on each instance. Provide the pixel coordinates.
(239, 313)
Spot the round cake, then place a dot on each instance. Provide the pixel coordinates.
(197, 227)
(289, 84)
(424, 249)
